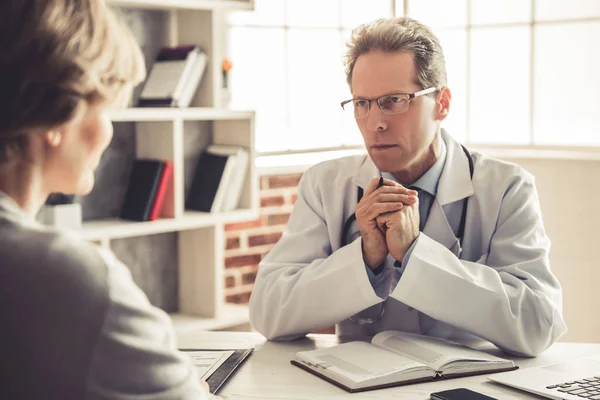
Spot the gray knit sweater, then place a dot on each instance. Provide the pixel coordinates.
(73, 324)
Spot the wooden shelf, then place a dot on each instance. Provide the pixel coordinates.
(231, 315)
(115, 228)
(185, 4)
(169, 114)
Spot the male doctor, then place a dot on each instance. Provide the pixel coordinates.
(421, 235)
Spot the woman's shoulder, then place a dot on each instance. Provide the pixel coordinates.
(48, 258)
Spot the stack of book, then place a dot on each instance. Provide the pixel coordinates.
(218, 179)
(174, 77)
(148, 185)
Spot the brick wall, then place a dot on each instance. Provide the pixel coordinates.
(248, 242)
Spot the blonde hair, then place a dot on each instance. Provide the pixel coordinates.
(400, 34)
(56, 54)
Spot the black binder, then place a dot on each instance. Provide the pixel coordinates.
(141, 191)
(218, 378)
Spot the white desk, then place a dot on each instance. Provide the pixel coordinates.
(267, 374)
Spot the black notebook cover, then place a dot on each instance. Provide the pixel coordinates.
(218, 378)
(207, 178)
(143, 183)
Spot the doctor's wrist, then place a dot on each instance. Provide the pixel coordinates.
(374, 263)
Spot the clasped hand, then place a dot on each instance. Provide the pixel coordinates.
(388, 219)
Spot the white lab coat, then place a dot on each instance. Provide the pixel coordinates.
(498, 287)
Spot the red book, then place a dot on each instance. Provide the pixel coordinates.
(162, 190)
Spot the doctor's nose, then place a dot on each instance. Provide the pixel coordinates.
(376, 119)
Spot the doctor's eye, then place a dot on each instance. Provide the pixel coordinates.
(360, 103)
(393, 104)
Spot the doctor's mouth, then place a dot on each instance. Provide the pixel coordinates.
(383, 147)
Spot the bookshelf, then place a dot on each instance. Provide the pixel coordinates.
(172, 114)
(178, 134)
(185, 4)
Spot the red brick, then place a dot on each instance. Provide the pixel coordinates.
(240, 226)
(230, 281)
(260, 240)
(240, 261)
(277, 219)
(284, 181)
(232, 243)
(294, 198)
(249, 277)
(272, 201)
(242, 298)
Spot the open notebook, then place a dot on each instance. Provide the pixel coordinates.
(396, 358)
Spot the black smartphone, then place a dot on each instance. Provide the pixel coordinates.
(460, 394)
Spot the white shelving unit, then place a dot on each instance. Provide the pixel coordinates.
(160, 133)
(185, 4)
(171, 114)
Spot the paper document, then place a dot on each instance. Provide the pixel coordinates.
(207, 362)
(359, 361)
(431, 351)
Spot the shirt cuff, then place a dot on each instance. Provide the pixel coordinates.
(376, 277)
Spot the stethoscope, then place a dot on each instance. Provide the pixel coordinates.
(461, 227)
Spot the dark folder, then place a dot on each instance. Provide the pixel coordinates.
(218, 378)
(206, 181)
(144, 182)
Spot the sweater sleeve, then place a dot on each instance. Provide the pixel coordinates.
(136, 356)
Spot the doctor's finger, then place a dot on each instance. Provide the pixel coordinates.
(385, 218)
(395, 197)
(376, 209)
(372, 186)
(396, 189)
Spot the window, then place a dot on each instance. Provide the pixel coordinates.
(522, 72)
(288, 66)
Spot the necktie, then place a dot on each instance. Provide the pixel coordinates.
(423, 206)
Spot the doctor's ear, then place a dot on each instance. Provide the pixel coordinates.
(443, 103)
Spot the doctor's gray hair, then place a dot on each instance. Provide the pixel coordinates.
(400, 34)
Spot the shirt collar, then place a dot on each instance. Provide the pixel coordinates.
(10, 209)
(430, 179)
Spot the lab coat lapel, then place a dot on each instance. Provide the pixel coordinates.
(455, 182)
(366, 172)
(438, 228)
(455, 185)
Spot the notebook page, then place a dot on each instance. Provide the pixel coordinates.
(359, 361)
(207, 362)
(431, 351)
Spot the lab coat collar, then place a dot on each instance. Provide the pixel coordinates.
(455, 183)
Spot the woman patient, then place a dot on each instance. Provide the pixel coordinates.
(73, 323)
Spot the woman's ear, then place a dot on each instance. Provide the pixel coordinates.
(443, 103)
(53, 138)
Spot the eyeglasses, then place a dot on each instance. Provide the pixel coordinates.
(396, 103)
